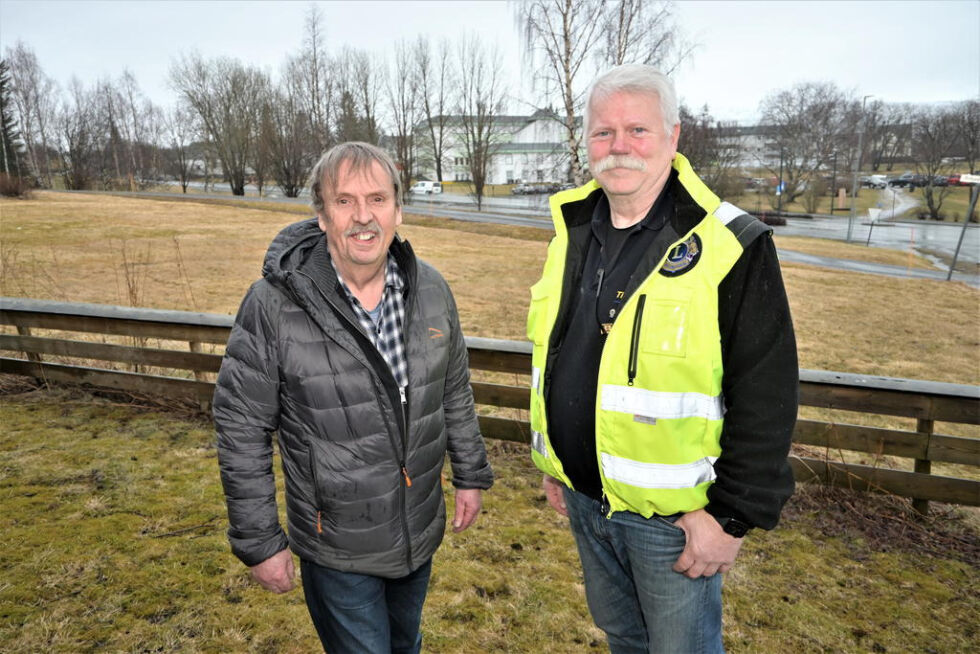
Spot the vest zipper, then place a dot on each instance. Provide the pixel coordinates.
(635, 339)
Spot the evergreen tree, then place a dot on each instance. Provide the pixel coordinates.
(12, 162)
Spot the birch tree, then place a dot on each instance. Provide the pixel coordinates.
(403, 105)
(36, 98)
(481, 94)
(436, 83)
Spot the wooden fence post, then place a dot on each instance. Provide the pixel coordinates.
(925, 428)
(199, 375)
(31, 356)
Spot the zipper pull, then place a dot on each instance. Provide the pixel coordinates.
(598, 288)
(319, 526)
(408, 480)
(401, 393)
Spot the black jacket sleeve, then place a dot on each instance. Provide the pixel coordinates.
(761, 390)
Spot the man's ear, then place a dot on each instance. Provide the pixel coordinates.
(322, 220)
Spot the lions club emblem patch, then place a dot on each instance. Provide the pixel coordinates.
(682, 257)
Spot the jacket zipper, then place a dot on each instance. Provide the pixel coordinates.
(635, 339)
(403, 455)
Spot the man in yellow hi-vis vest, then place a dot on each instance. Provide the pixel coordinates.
(665, 378)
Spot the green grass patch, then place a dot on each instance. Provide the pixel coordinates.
(112, 539)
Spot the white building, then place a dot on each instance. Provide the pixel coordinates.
(527, 149)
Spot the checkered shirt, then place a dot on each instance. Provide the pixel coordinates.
(386, 335)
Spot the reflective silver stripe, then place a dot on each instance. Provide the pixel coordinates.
(658, 475)
(537, 442)
(727, 212)
(655, 404)
(535, 378)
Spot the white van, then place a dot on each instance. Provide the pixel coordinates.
(427, 188)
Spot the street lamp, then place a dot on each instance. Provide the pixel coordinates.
(779, 186)
(857, 163)
(833, 185)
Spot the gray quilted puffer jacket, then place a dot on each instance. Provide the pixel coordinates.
(363, 490)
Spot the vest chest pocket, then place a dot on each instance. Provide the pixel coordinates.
(665, 326)
(537, 315)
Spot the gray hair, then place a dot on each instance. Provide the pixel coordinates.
(635, 78)
(360, 157)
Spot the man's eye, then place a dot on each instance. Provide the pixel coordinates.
(343, 201)
(602, 133)
(639, 130)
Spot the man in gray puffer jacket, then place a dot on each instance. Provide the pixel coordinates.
(350, 348)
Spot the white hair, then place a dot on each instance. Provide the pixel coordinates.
(635, 78)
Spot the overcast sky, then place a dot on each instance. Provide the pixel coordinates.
(895, 51)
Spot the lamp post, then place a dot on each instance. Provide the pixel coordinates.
(857, 164)
(779, 186)
(833, 185)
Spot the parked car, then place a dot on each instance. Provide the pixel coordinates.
(909, 180)
(940, 180)
(522, 189)
(874, 181)
(426, 188)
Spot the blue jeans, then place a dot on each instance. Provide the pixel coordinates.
(633, 594)
(363, 614)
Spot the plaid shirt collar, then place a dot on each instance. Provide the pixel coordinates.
(387, 334)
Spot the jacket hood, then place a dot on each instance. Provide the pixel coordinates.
(290, 248)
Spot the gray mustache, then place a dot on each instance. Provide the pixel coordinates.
(618, 161)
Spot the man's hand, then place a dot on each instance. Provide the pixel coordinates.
(709, 549)
(554, 494)
(276, 572)
(468, 503)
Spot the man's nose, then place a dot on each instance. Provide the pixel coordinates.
(362, 212)
(619, 143)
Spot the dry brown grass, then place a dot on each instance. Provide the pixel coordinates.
(857, 252)
(202, 256)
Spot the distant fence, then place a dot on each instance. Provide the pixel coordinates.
(178, 366)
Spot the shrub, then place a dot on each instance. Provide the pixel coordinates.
(14, 186)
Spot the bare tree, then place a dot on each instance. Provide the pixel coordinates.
(288, 133)
(642, 32)
(180, 131)
(933, 136)
(436, 83)
(36, 98)
(559, 38)
(313, 61)
(481, 96)
(79, 135)
(714, 150)
(225, 94)
(403, 103)
(357, 88)
(808, 122)
(968, 126)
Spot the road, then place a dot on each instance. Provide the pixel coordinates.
(936, 241)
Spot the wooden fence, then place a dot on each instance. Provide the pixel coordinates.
(178, 366)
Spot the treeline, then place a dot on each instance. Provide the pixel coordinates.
(429, 102)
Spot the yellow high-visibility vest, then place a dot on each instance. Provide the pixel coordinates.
(659, 406)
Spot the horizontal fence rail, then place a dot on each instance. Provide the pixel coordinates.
(178, 366)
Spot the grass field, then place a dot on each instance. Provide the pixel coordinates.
(111, 538)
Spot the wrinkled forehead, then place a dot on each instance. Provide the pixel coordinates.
(368, 172)
(642, 97)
